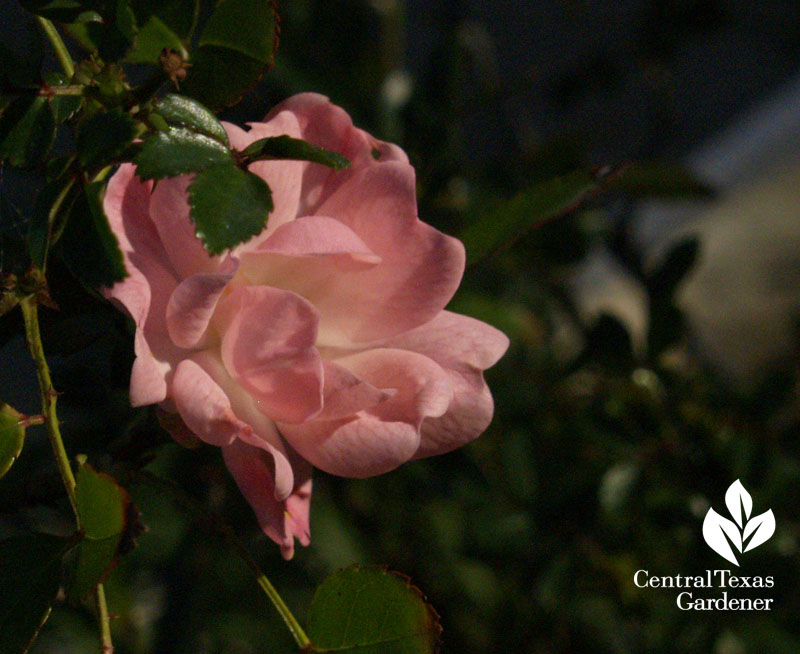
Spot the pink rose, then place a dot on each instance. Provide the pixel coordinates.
(320, 342)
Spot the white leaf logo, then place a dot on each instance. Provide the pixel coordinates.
(722, 535)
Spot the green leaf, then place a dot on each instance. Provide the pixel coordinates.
(125, 21)
(104, 136)
(245, 26)
(177, 152)
(180, 111)
(369, 610)
(228, 206)
(30, 576)
(89, 247)
(12, 436)
(286, 147)
(236, 47)
(102, 509)
(27, 131)
(62, 11)
(530, 208)
(110, 34)
(163, 24)
(219, 77)
(659, 179)
(179, 16)
(152, 38)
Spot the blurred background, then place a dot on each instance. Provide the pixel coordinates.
(655, 332)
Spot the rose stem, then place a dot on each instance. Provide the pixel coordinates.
(224, 530)
(62, 54)
(30, 313)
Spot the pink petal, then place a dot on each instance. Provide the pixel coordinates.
(261, 431)
(282, 521)
(144, 293)
(467, 417)
(313, 256)
(346, 394)
(203, 405)
(324, 124)
(268, 339)
(455, 341)
(169, 209)
(380, 438)
(192, 305)
(420, 267)
(464, 347)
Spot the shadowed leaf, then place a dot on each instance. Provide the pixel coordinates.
(530, 208)
(286, 147)
(88, 246)
(103, 510)
(12, 436)
(371, 611)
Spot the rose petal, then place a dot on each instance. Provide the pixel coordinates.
(455, 341)
(464, 347)
(268, 338)
(192, 305)
(262, 432)
(346, 394)
(323, 124)
(420, 268)
(203, 405)
(282, 521)
(382, 437)
(145, 291)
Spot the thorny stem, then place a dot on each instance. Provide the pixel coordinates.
(62, 54)
(299, 635)
(30, 313)
(106, 646)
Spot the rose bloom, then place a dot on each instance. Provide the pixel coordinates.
(323, 341)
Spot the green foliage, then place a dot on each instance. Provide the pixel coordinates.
(370, 610)
(12, 436)
(104, 136)
(27, 131)
(103, 510)
(180, 111)
(228, 206)
(64, 11)
(88, 245)
(162, 24)
(30, 575)
(662, 180)
(179, 151)
(236, 47)
(286, 147)
(528, 209)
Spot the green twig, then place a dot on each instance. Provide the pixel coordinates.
(210, 519)
(30, 313)
(106, 646)
(62, 54)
